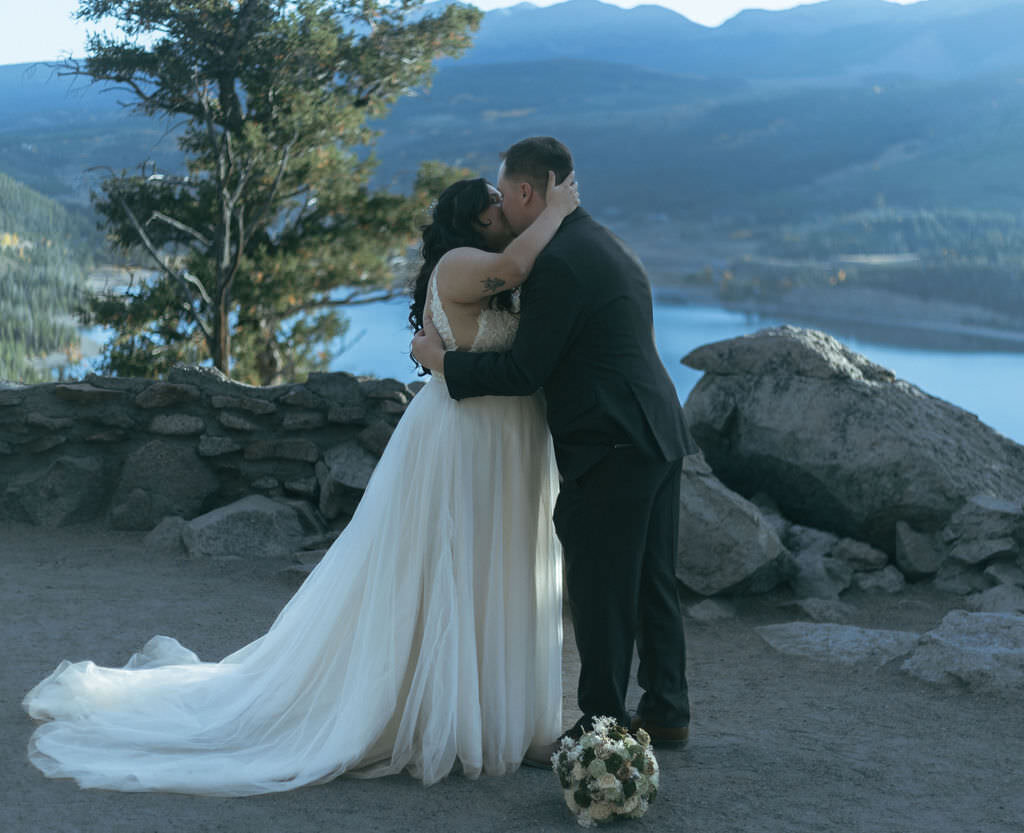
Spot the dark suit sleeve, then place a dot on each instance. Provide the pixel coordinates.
(550, 305)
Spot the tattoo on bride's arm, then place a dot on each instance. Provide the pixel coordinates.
(492, 285)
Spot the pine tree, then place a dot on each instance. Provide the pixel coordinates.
(273, 213)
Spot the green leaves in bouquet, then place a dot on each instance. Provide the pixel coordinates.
(273, 227)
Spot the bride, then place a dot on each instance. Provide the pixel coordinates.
(429, 634)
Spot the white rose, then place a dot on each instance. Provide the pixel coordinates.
(578, 772)
(599, 811)
(607, 782)
(596, 768)
(631, 804)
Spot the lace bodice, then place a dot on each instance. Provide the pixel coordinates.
(495, 329)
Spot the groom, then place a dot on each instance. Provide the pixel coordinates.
(586, 337)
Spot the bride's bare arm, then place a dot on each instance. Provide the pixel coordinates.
(466, 275)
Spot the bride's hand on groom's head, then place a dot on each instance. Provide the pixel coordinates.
(565, 196)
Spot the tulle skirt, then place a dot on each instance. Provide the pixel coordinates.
(430, 633)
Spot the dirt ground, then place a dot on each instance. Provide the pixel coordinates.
(778, 745)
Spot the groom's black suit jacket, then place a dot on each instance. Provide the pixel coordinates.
(586, 337)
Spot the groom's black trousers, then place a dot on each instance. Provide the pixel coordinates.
(618, 524)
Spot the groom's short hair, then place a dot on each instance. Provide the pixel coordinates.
(532, 158)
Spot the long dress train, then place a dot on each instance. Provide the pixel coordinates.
(430, 632)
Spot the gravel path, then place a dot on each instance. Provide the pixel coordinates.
(779, 744)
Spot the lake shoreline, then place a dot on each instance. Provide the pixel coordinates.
(854, 312)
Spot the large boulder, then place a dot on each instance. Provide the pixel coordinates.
(158, 479)
(253, 527)
(69, 489)
(839, 442)
(979, 651)
(725, 545)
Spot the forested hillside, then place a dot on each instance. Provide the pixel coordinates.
(45, 250)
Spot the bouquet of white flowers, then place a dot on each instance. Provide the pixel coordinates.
(607, 772)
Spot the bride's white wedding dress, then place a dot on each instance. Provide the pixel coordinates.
(430, 632)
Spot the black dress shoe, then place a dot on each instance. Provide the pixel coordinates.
(664, 736)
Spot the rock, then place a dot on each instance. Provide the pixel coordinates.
(254, 527)
(303, 487)
(824, 610)
(917, 555)
(46, 443)
(287, 449)
(85, 392)
(817, 576)
(300, 397)
(979, 552)
(336, 388)
(770, 512)
(837, 440)
(724, 543)
(236, 422)
(302, 420)
(265, 483)
(984, 516)
(160, 478)
(957, 578)
(347, 414)
(389, 406)
(711, 610)
(1003, 598)
(886, 580)
(808, 541)
(48, 423)
(69, 489)
(243, 403)
(313, 524)
(180, 425)
(213, 446)
(981, 651)
(294, 574)
(343, 475)
(844, 644)
(375, 438)
(162, 394)
(114, 435)
(858, 555)
(1005, 572)
(386, 390)
(166, 536)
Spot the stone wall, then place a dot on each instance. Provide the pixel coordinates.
(130, 452)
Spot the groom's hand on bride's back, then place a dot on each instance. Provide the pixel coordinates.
(428, 348)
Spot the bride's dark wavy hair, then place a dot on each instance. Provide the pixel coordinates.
(453, 223)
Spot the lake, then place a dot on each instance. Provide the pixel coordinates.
(989, 384)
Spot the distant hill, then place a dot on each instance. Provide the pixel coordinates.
(935, 39)
(826, 108)
(44, 251)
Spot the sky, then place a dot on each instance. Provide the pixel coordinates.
(42, 30)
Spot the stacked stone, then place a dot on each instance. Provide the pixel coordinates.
(133, 451)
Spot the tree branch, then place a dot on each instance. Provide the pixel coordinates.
(183, 279)
(187, 229)
(350, 300)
